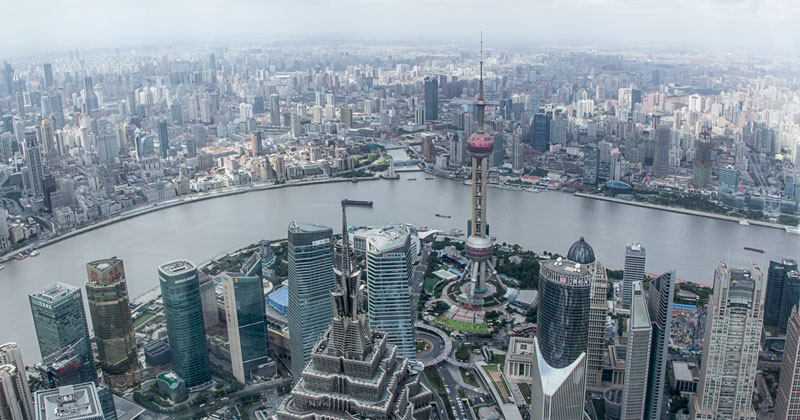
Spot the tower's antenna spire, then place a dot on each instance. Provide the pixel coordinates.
(481, 104)
(480, 97)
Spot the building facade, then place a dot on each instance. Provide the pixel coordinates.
(787, 403)
(782, 292)
(10, 354)
(659, 308)
(634, 271)
(246, 318)
(637, 360)
(564, 302)
(311, 280)
(183, 310)
(13, 403)
(730, 347)
(557, 393)
(109, 306)
(389, 265)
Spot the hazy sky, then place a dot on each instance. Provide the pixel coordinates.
(51, 25)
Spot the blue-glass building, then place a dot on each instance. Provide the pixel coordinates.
(183, 310)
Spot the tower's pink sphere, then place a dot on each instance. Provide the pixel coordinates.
(480, 143)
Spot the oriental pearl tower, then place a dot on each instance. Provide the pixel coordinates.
(479, 246)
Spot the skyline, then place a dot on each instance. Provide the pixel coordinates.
(49, 27)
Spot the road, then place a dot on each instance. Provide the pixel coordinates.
(418, 280)
(460, 409)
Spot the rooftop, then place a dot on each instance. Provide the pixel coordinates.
(176, 267)
(388, 238)
(55, 291)
(71, 402)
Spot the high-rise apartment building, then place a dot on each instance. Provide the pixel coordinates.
(634, 271)
(787, 403)
(183, 310)
(109, 306)
(47, 68)
(13, 406)
(311, 280)
(389, 265)
(730, 347)
(637, 360)
(659, 308)
(246, 318)
(783, 292)
(346, 116)
(17, 380)
(431, 99)
(728, 180)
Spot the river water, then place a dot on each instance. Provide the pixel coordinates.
(551, 221)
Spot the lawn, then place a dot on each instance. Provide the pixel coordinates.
(499, 359)
(429, 284)
(490, 368)
(142, 319)
(465, 327)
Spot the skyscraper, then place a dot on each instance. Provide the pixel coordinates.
(730, 346)
(275, 110)
(109, 306)
(389, 265)
(557, 393)
(379, 383)
(10, 355)
(60, 320)
(255, 144)
(163, 138)
(13, 405)
(637, 361)
(703, 161)
(346, 116)
(783, 292)
(661, 156)
(659, 308)
(431, 99)
(540, 131)
(479, 246)
(91, 97)
(311, 280)
(634, 271)
(243, 295)
(176, 113)
(183, 310)
(564, 303)
(787, 403)
(33, 160)
(48, 76)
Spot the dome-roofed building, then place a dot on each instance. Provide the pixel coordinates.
(581, 252)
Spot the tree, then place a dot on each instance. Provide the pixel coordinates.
(462, 353)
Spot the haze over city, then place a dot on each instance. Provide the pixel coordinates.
(45, 26)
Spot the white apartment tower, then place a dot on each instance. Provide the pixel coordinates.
(730, 346)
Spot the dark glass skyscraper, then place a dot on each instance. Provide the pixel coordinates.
(183, 309)
(540, 131)
(431, 99)
(781, 283)
(246, 317)
(109, 306)
(59, 318)
(659, 307)
(564, 292)
(311, 280)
